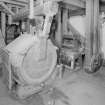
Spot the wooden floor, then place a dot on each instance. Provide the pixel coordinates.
(77, 88)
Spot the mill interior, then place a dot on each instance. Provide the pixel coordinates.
(52, 52)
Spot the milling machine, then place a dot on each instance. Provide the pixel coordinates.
(31, 62)
(30, 59)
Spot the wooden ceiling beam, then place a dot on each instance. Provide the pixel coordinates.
(68, 6)
(15, 2)
(6, 8)
(82, 11)
(77, 12)
(77, 3)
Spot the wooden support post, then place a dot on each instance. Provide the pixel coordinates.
(9, 19)
(31, 9)
(3, 22)
(59, 35)
(17, 10)
(64, 22)
(92, 32)
(9, 16)
(28, 25)
(89, 32)
(96, 46)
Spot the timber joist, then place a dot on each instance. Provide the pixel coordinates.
(21, 3)
(5, 8)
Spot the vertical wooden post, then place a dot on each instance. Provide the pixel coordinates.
(64, 22)
(9, 19)
(92, 31)
(31, 9)
(28, 25)
(89, 31)
(17, 10)
(9, 16)
(3, 22)
(96, 46)
(59, 35)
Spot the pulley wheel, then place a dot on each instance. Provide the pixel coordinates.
(36, 71)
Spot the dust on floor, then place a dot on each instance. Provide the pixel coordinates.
(79, 87)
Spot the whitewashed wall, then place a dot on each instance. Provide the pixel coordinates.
(78, 22)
